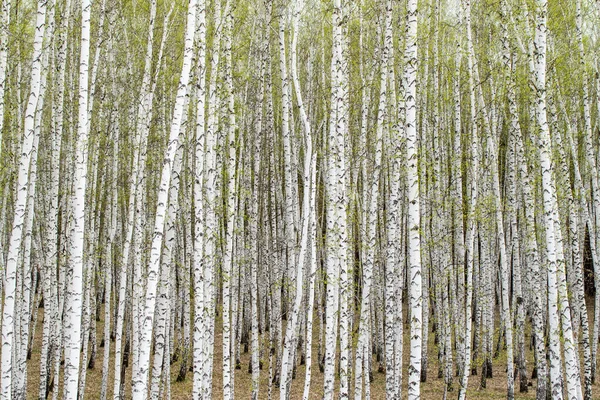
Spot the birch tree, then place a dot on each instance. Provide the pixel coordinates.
(336, 225)
(75, 284)
(140, 385)
(414, 244)
(16, 236)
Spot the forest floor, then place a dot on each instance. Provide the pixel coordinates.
(433, 389)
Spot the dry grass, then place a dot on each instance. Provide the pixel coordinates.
(432, 389)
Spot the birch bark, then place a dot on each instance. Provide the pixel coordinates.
(363, 347)
(140, 382)
(198, 198)
(394, 154)
(471, 222)
(16, 235)
(254, 231)
(578, 194)
(300, 256)
(335, 202)
(74, 308)
(414, 244)
(212, 229)
(227, 268)
(549, 193)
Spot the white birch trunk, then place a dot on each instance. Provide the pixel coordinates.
(533, 262)
(549, 193)
(577, 296)
(53, 233)
(334, 200)
(27, 304)
(227, 268)
(212, 230)
(414, 244)
(472, 222)
(344, 144)
(110, 244)
(144, 116)
(312, 276)
(140, 382)
(289, 189)
(577, 261)
(299, 258)
(198, 198)
(27, 151)
(458, 211)
(162, 309)
(571, 356)
(75, 307)
(254, 239)
(394, 155)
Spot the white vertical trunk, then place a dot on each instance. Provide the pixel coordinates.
(345, 277)
(392, 263)
(227, 267)
(458, 210)
(472, 222)
(25, 294)
(89, 273)
(140, 382)
(27, 306)
(53, 233)
(334, 200)
(142, 128)
(198, 198)
(75, 285)
(212, 230)
(110, 245)
(549, 198)
(532, 257)
(576, 291)
(162, 307)
(414, 243)
(27, 151)
(400, 105)
(292, 328)
(579, 194)
(288, 170)
(571, 356)
(254, 235)
(299, 258)
(312, 276)
(512, 212)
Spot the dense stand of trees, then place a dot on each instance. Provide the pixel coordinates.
(348, 185)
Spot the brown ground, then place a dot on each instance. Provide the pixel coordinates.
(432, 389)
